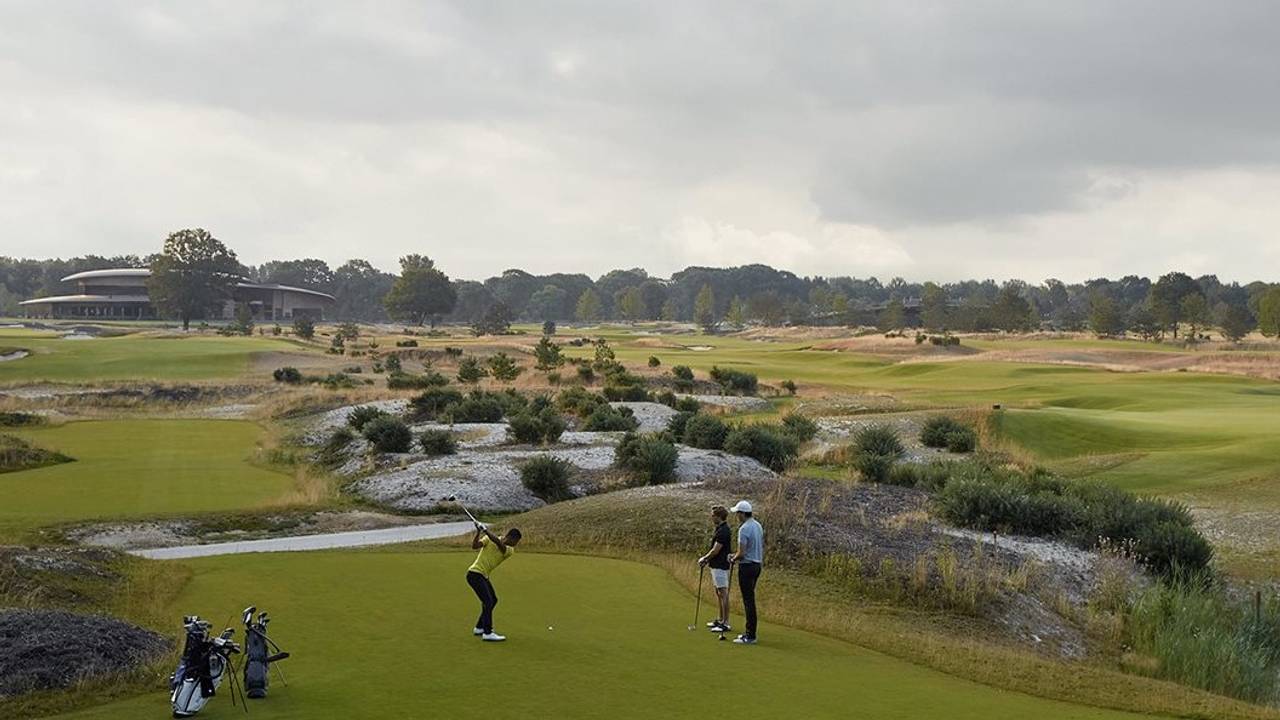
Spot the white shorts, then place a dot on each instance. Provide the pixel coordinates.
(719, 578)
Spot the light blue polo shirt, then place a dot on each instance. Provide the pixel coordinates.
(751, 542)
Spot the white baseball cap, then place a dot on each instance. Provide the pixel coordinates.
(742, 506)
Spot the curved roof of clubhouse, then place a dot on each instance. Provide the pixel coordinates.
(128, 286)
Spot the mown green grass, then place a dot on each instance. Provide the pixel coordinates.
(132, 357)
(138, 468)
(387, 633)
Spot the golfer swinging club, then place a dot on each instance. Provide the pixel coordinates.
(750, 559)
(717, 558)
(493, 550)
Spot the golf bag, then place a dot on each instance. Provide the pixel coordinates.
(205, 662)
(258, 657)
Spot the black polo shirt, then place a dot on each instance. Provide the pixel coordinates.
(720, 561)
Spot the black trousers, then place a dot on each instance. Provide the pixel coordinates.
(748, 575)
(488, 599)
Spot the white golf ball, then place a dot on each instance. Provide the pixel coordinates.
(550, 628)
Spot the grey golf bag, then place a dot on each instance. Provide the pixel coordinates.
(258, 656)
(205, 662)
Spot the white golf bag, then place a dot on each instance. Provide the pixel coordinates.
(205, 662)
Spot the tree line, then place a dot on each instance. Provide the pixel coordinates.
(1172, 304)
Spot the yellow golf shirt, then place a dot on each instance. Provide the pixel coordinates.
(489, 557)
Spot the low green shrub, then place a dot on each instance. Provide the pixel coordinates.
(677, 424)
(929, 476)
(941, 431)
(705, 431)
(606, 418)
(666, 397)
(878, 439)
(874, 468)
(802, 428)
(409, 381)
(475, 409)
(687, 404)
(331, 453)
(432, 403)
(579, 401)
(735, 381)
(388, 434)
(17, 454)
(683, 376)
(768, 445)
(654, 361)
(361, 416)
(964, 440)
(547, 478)
(789, 386)
(438, 441)
(289, 375)
(537, 425)
(649, 459)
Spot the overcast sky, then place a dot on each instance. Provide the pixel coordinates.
(928, 140)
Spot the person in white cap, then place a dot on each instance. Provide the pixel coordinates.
(750, 559)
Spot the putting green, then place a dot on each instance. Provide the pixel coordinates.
(387, 634)
(137, 468)
(132, 357)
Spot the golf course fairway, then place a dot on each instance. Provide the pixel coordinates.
(386, 633)
(138, 468)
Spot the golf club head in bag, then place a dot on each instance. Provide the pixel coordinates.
(258, 656)
(205, 662)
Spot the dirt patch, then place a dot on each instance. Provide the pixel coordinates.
(51, 649)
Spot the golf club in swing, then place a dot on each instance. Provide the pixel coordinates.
(697, 607)
(454, 499)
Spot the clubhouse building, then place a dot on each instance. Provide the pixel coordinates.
(121, 294)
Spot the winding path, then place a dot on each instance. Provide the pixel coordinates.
(296, 543)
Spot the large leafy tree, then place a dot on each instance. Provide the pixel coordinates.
(589, 306)
(421, 293)
(193, 276)
(1167, 297)
(358, 289)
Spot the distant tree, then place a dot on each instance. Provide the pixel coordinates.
(893, 317)
(549, 327)
(304, 327)
(1011, 312)
(1142, 321)
(192, 276)
(704, 308)
(1195, 313)
(470, 371)
(630, 304)
(421, 293)
(244, 319)
(1269, 312)
(1105, 317)
(547, 355)
(503, 368)
(1235, 321)
(589, 307)
(1167, 295)
(547, 303)
(767, 307)
(670, 310)
(307, 273)
(933, 307)
(737, 315)
(496, 321)
(358, 290)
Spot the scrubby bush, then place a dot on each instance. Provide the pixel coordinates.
(654, 361)
(438, 441)
(290, 375)
(621, 385)
(579, 401)
(541, 424)
(470, 371)
(768, 445)
(331, 453)
(388, 434)
(503, 368)
(393, 364)
(801, 428)
(586, 374)
(666, 397)
(361, 416)
(789, 386)
(687, 404)
(705, 431)
(430, 404)
(930, 476)
(475, 409)
(677, 424)
(606, 418)
(304, 327)
(936, 431)
(547, 478)
(650, 459)
(683, 376)
(963, 440)
(878, 439)
(409, 381)
(406, 343)
(20, 419)
(735, 381)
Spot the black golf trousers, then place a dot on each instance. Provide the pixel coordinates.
(748, 575)
(488, 599)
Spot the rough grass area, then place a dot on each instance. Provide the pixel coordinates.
(135, 357)
(17, 454)
(619, 647)
(137, 468)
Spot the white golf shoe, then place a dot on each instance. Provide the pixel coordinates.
(477, 631)
(492, 637)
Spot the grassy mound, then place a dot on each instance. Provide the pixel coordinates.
(17, 454)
